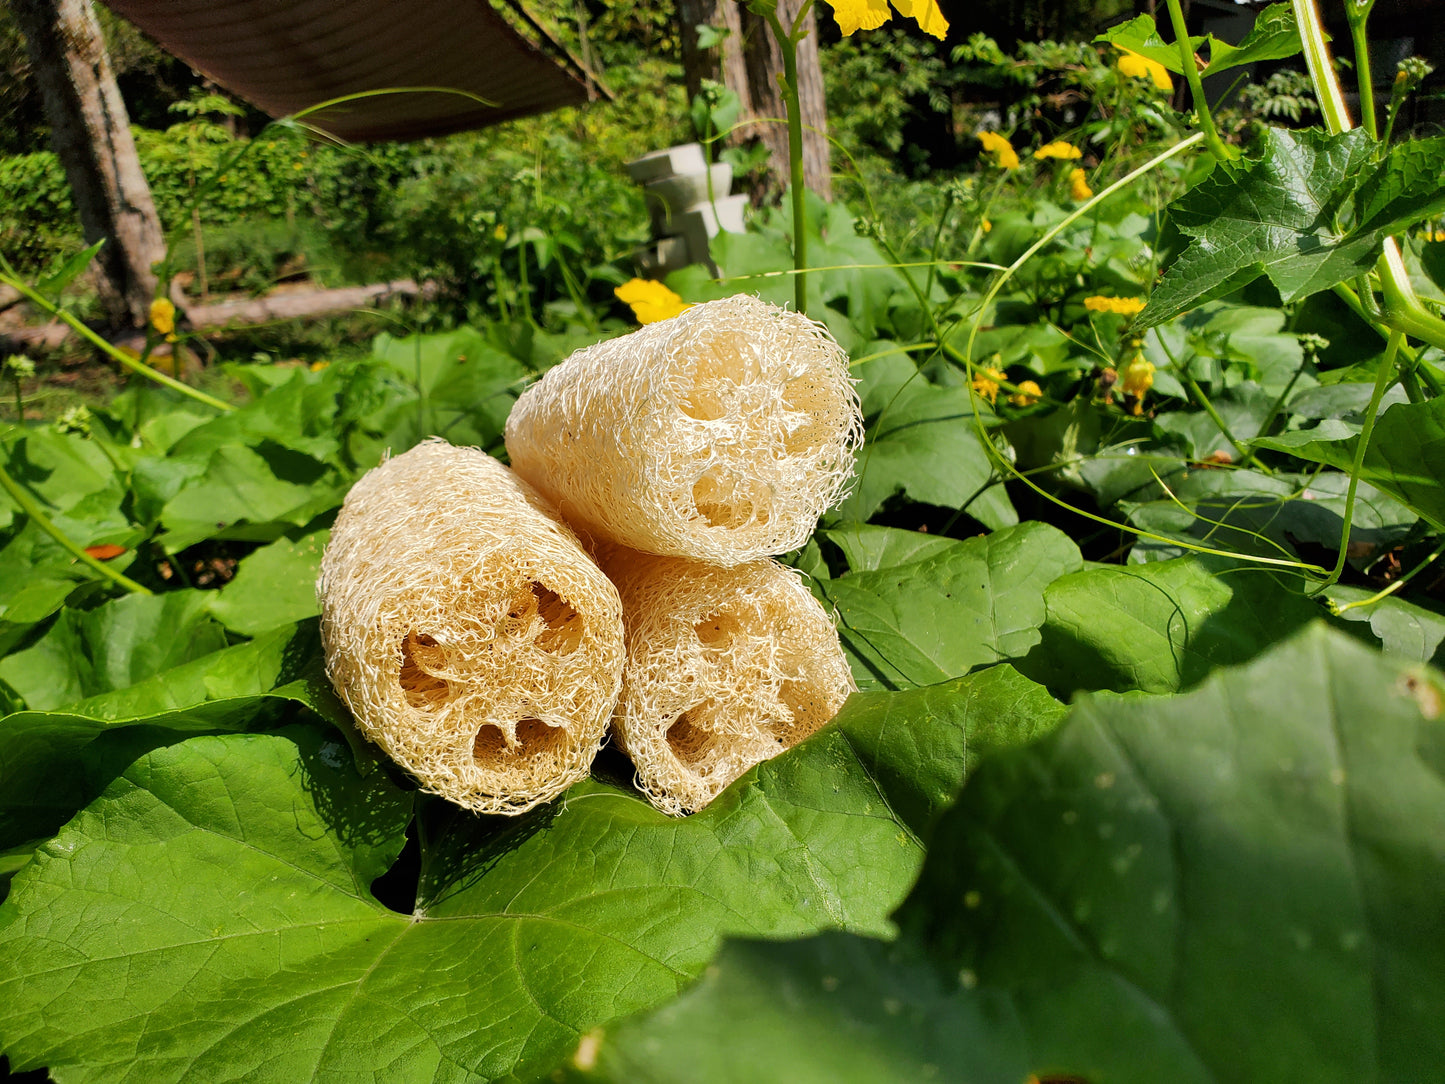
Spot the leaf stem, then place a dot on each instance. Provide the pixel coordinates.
(37, 515)
(1064, 223)
(1380, 596)
(1322, 72)
(1382, 381)
(1196, 84)
(788, 43)
(1357, 12)
(110, 349)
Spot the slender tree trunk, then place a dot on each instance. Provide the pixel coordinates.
(90, 132)
(765, 64)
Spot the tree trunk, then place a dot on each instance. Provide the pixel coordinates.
(765, 66)
(724, 64)
(749, 62)
(90, 132)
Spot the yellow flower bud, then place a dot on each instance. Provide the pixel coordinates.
(1028, 394)
(1059, 149)
(163, 315)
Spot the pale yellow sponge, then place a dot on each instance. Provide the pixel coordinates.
(720, 434)
(467, 631)
(726, 667)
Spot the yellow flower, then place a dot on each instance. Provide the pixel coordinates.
(650, 301)
(1079, 189)
(1123, 306)
(1002, 150)
(163, 315)
(1141, 67)
(1136, 379)
(987, 225)
(317, 366)
(871, 14)
(500, 233)
(1060, 150)
(1028, 394)
(985, 382)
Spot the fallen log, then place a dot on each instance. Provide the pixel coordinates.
(302, 305)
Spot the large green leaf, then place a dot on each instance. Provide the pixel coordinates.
(243, 493)
(867, 547)
(1159, 627)
(210, 916)
(920, 743)
(1406, 630)
(1310, 213)
(1274, 36)
(1249, 512)
(470, 385)
(118, 644)
(1406, 456)
(276, 585)
(1240, 883)
(975, 603)
(53, 762)
(923, 443)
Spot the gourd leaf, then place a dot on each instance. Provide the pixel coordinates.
(975, 603)
(1274, 36)
(921, 442)
(210, 916)
(1310, 212)
(1406, 456)
(1160, 627)
(1238, 883)
(54, 762)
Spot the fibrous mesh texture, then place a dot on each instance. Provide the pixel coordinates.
(726, 667)
(721, 434)
(467, 631)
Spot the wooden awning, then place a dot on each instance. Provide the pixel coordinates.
(286, 55)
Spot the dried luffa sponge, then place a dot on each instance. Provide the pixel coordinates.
(721, 434)
(726, 667)
(467, 631)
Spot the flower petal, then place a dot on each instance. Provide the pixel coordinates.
(860, 14)
(925, 12)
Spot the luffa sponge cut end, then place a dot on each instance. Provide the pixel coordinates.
(726, 668)
(471, 636)
(720, 434)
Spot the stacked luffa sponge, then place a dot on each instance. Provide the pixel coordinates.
(469, 633)
(720, 435)
(685, 455)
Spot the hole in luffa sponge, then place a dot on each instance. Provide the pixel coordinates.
(540, 615)
(689, 743)
(534, 738)
(718, 630)
(421, 656)
(724, 500)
